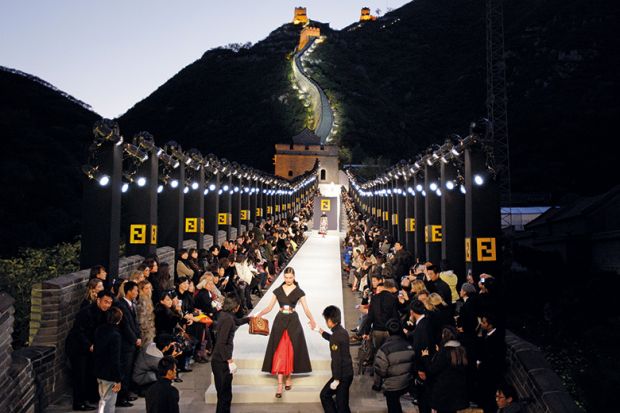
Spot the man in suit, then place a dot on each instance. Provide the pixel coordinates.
(423, 351)
(491, 361)
(341, 365)
(162, 397)
(130, 332)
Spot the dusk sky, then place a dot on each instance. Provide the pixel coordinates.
(113, 53)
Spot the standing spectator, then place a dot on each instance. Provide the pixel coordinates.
(422, 339)
(130, 332)
(450, 278)
(383, 307)
(146, 312)
(491, 360)
(162, 397)
(80, 347)
(448, 374)
(222, 363)
(341, 364)
(434, 284)
(94, 286)
(401, 260)
(98, 271)
(108, 360)
(394, 363)
(161, 282)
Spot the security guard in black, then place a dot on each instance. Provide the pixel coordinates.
(342, 371)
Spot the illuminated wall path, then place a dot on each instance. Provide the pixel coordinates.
(323, 114)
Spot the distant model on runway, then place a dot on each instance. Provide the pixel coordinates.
(323, 224)
(286, 351)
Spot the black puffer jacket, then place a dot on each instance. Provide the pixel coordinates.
(394, 363)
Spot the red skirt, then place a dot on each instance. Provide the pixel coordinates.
(283, 357)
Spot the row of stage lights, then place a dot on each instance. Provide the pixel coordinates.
(433, 187)
(171, 157)
(450, 152)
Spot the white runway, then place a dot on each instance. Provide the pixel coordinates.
(317, 270)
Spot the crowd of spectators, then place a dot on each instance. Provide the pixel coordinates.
(134, 335)
(423, 329)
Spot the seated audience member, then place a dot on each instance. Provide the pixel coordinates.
(507, 399)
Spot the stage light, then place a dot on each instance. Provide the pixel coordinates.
(159, 152)
(141, 181)
(220, 192)
(450, 185)
(433, 186)
(429, 162)
(225, 187)
(186, 189)
(103, 180)
(438, 192)
(160, 189)
(174, 183)
(236, 189)
(423, 193)
(454, 152)
(419, 188)
(463, 190)
(231, 192)
(125, 187)
(478, 180)
(212, 187)
(206, 191)
(194, 185)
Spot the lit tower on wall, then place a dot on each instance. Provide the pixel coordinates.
(365, 15)
(300, 16)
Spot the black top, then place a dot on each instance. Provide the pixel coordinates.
(225, 334)
(108, 353)
(82, 335)
(165, 319)
(440, 287)
(342, 365)
(291, 299)
(422, 340)
(162, 397)
(383, 307)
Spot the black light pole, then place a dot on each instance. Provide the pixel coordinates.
(236, 203)
(420, 217)
(172, 204)
(452, 220)
(482, 215)
(409, 215)
(212, 206)
(401, 213)
(432, 230)
(141, 203)
(246, 202)
(194, 227)
(225, 215)
(101, 216)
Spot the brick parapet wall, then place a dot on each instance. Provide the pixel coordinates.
(534, 379)
(54, 304)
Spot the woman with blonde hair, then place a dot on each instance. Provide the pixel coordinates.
(137, 276)
(441, 317)
(146, 312)
(92, 289)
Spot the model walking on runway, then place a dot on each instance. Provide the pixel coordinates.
(323, 224)
(286, 350)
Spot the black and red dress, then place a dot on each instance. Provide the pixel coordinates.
(286, 350)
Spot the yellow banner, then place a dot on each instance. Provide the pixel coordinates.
(137, 234)
(432, 233)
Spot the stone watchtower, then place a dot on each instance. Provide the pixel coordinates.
(365, 15)
(300, 16)
(305, 35)
(294, 159)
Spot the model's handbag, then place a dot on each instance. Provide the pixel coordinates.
(259, 326)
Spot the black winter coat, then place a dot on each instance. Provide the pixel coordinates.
(82, 335)
(108, 353)
(448, 383)
(383, 307)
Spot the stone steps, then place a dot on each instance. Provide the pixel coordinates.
(255, 378)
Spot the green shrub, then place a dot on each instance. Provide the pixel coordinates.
(30, 266)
